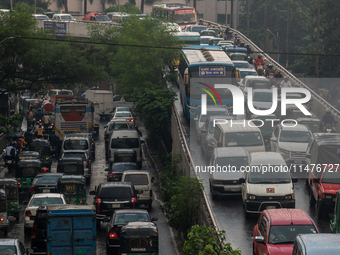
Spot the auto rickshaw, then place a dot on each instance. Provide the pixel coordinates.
(74, 189)
(267, 128)
(238, 56)
(4, 222)
(26, 171)
(312, 123)
(125, 155)
(216, 30)
(44, 148)
(139, 238)
(10, 185)
(28, 155)
(71, 166)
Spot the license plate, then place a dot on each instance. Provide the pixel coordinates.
(115, 205)
(46, 191)
(271, 207)
(9, 161)
(235, 189)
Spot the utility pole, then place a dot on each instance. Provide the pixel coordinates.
(11, 5)
(287, 43)
(226, 13)
(35, 6)
(118, 7)
(277, 46)
(248, 13)
(317, 48)
(232, 14)
(265, 26)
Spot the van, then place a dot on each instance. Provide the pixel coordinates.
(142, 181)
(63, 17)
(77, 143)
(237, 134)
(266, 183)
(125, 139)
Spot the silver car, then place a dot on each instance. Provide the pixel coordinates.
(12, 246)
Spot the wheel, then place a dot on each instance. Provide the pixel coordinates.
(27, 231)
(149, 207)
(319, 211)
(311, 198)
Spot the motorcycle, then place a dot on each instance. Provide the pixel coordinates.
(260, 70)
(329, 128)
(10, 162)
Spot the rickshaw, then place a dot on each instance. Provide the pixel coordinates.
(71, 166)
(139, 238)
(74, 189)
(312, 123)
(44, 148)
(10, 185)
(267, 128)
(125, 155)
(26, 171)
(48, 108)
(4, 222)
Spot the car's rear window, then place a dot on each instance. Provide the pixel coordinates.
(76, 144)
(137, 179)
(118, 192)
(46, 180)
(123, 114)
(130, 217)
(75, 155)
(122, 143)
(122, 167)
(38, 201)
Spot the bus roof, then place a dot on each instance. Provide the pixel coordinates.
(170, 6)
(194, 55)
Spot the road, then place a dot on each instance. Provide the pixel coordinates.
(228, 212)
(166, 245)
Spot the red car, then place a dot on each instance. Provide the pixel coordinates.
(276, 230)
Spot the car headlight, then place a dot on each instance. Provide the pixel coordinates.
(290, 196)
(218, 182)
(283, 151)
(251, 197)
(327, 196)
(192, 105)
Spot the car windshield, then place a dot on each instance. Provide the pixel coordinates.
(242, 65)
(116, 126)
(41, 17)
(8, 250)
(197, 29)
(295, 136)
(66, 18)
(38, 201)
(258, 175)
(243, 139)
(40, 180)
(130, 217)
(123, 167)
(232, 161)
(117, 192)
(211, 113)
(331, 176)
(205, 40)
(249, 73)
(285, 234)
(75, 155)
(137, 179)
(75, 145)
(123, 109)
(263, 97)
(103, 18)
(123, 143)
(123, 114)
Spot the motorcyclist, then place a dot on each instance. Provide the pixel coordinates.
(11, 153)
(259, 61)
(40, 132)
(278, 74)
(46, 120)
(229, 35)
(21, 143)
(269, 70)
(328, 118)
(39, 115)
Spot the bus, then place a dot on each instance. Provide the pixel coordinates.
(55, 92)
(177, 13)
(200, 68)
(74, 116)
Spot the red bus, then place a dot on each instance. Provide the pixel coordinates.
(177, 13)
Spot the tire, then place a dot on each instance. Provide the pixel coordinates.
(312, 200)
(27, 231)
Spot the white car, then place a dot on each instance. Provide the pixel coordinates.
(243, 64)
(262, 99)
(124, 115)
(205, 39)
(256, 82)
(63, 17)
(40, 16)
(36, 201)
(291, 141)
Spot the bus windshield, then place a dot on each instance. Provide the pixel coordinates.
(184, 18)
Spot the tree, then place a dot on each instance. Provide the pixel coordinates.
(103, 2)
(129, 8)
(62, 4)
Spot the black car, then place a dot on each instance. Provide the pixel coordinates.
(116, 172)
(109, 197)
(39, 231)
(119, 219)
(79, 154)
(45, 183)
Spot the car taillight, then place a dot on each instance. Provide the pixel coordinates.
(34, 234)
(52, 124)
(131, 120)
(28, 213)
(31, 189)
(92, 144)
(133, 198)
(19, 181)
(45, 170)
(87, 163)
(112, 233)
(114, 175)
(2, 218)
(98, 203)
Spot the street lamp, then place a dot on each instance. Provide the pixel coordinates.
(276, 43)
(7, 39)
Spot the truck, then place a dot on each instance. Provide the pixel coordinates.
(71, 229)
(105, 99)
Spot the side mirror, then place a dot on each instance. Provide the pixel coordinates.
(25, 203)
(259, 239)
(92, 193)
(154, 219)
(242, 180)
(107, 169)
(152, 179)
(186, 77)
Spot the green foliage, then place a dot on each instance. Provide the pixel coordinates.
(204, 241)
(127, 8)
(8, 123)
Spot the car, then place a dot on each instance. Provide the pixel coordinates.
(276, 230)
(242, 64)
(256, 82)
(323, 243)
(115, 173)
(224, 182)
(207, 133)
(90, 137)
(36, 201)
(247, 72)
(211, 110)
(40, 16)
(262, 99)
(112, 196)
(74, 142)
(63, 17)
(124, 115)
(79, 154)
(291, 141)
(171, 27)
(10, 246)
(204, 40)
(195, 28)
(45, 183)
(119, 219)
(122, 109)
